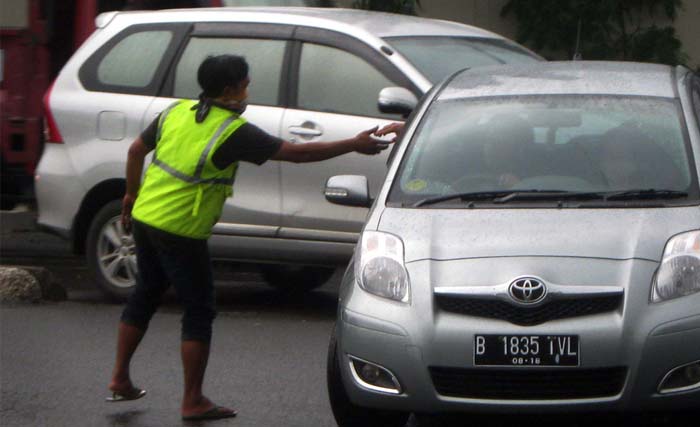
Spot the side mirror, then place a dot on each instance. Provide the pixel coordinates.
(348, 190)
(397, 100)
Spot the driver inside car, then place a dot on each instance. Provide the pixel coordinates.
(505, 148)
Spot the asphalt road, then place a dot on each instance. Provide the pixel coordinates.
(268, 353)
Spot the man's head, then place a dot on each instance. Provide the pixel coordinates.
(224, 75)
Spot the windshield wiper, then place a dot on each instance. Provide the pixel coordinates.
(549, 195)
(645, 194)
(506, 196)
(474, 195)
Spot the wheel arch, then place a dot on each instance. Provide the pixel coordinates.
(94, 200)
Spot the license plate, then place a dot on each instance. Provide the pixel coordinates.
(526, 350)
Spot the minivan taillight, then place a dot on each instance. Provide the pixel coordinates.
(51, 133)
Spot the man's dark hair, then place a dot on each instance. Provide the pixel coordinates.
(217, 72)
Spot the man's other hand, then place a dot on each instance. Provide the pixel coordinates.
(127, 206)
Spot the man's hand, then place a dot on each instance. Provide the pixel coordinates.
(366, 144)
(127, 206)
(396, 128)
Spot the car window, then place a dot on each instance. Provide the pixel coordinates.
(333, 80)
(133, 61)
(438, 57)
(264, 57)
(592, 143)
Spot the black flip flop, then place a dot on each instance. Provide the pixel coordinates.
(133, 394)
(215, 413)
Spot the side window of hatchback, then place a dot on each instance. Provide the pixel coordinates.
(264, 57)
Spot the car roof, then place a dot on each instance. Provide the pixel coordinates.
(379, 24)
(566, 77)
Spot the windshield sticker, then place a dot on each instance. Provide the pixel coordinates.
(416, 185)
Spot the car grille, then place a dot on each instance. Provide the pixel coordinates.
(534, 384)
(526, 316)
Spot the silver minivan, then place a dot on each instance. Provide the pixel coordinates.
(534, 249)
(317, 74)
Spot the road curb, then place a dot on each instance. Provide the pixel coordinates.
(16, 285)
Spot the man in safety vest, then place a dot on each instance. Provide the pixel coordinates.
(198, 145)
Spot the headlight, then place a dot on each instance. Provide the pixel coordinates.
(679, 272)
(380, 268)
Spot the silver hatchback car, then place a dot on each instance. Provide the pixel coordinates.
(535, 248)
(317, 74)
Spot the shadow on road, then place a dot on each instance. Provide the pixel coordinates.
(126, 418)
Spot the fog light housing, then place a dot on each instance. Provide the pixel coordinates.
(373, 377)
(682, 378)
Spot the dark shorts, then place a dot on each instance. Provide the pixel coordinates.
(165, 259)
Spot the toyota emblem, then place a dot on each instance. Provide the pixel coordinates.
(527, 290)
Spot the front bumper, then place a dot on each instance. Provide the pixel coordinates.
(647, 341)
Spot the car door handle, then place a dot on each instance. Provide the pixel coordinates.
(305, 131)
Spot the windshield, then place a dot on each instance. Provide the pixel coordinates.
(438, 57)
(548, 145)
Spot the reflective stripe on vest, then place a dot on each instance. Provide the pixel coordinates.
(197, 178)
(187, 173)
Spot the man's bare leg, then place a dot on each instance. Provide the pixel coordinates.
(195, 356)
(128, 340)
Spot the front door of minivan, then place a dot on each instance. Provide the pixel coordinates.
(336, 98)
(254, 209)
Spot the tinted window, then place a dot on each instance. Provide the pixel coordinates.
(336, 81)
(133, 61)
(592, 143)
(264, 58)
(438, 57)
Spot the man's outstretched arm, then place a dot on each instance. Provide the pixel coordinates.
(363, 143)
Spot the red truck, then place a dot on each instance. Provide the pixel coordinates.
(36, 38)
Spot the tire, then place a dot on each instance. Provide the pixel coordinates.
(345, 412)
(298, 279)
(111, 254)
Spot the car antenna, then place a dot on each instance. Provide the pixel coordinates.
(577, 52)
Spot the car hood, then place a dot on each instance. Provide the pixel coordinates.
(447, 234)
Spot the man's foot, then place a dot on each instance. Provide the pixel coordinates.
(215, 413)
(206, 410)
(129, 394)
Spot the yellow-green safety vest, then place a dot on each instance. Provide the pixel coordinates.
(183, 193)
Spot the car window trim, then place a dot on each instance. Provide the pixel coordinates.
(244, 30)
(351, 45)
(694, 190)
(695, 88)
(88, 71)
